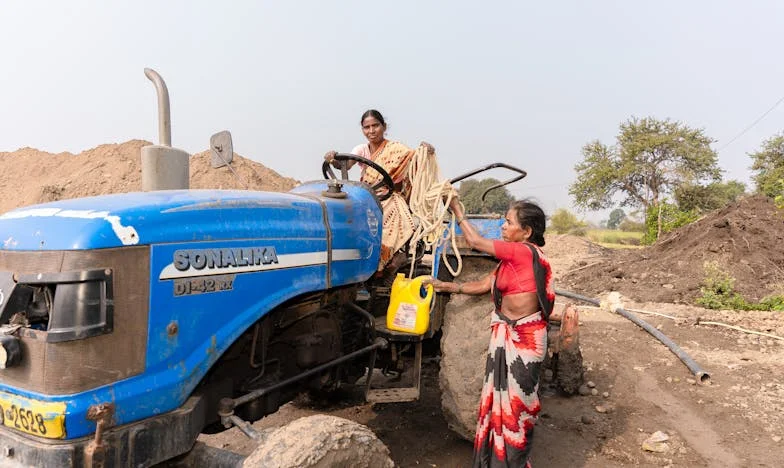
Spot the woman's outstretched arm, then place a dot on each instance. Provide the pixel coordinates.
(473, 288)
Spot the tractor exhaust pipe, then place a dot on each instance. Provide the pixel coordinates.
(164, 111)
(163, 167)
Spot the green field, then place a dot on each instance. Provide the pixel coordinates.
(615, 239)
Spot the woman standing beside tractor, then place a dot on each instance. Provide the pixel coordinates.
(523, 295)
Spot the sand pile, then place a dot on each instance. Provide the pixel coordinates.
(29, 176)
(745, 239)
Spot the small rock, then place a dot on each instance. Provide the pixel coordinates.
(668, 286)
(594, 392)
(776, 439)
(590, 384)
(676, 379)
(584, 390)
(585, 419)
(668, 379)
(657, 442)
(659, 436)
(691, 381)
(658, 447)
(601, 409)
(606, 394)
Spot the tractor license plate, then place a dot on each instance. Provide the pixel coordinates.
(42, 419)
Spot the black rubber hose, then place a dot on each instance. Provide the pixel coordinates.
(699, 372)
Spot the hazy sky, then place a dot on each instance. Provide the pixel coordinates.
(526, 83)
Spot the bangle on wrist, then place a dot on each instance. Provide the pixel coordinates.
(460, 220)
(459, 288)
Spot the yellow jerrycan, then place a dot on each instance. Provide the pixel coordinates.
(408, 310)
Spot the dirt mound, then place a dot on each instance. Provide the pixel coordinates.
(29, 176)
(745, 239)
(567, 252)
(250, 175)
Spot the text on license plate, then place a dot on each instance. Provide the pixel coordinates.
(43, 419)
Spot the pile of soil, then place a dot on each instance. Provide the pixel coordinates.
(745, 239)
(29, 176)
(567, 252)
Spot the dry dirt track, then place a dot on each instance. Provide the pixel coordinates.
(737, 421)
(733, 422)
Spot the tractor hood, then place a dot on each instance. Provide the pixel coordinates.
(170, 216)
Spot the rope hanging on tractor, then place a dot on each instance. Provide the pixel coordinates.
(429, 202)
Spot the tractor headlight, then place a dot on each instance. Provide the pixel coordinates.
(67, 306)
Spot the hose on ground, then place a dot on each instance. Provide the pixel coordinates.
(701, 375)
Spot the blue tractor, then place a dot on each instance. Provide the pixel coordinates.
(131, 323)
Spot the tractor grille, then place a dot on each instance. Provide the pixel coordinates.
(74, 366)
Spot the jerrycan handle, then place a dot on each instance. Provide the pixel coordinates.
(416, 288)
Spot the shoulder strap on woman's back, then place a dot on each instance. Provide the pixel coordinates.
(540, 275)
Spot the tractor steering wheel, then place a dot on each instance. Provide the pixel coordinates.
(343, 158)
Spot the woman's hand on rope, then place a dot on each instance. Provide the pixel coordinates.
(430, 148)
(456, 207)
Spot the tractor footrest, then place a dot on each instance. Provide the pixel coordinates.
(393, 395)
(404, 387)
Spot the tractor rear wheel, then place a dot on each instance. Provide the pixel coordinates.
(320, 441)
(463, 350)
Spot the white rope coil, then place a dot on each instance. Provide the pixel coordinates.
(430, 197)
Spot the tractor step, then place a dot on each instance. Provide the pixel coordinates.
(393, 395)
(404, 387)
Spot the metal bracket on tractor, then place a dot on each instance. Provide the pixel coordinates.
(397, 388)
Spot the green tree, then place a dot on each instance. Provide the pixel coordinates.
(768, 167)
(563, 221)
(708, 197)
(616, 218)
(496, 201)
(651, 157)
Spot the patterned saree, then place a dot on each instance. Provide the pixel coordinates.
(398, 225)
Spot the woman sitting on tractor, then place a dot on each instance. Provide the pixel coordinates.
(394, 157)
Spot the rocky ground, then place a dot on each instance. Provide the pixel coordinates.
(641, 388)
(635, 388)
